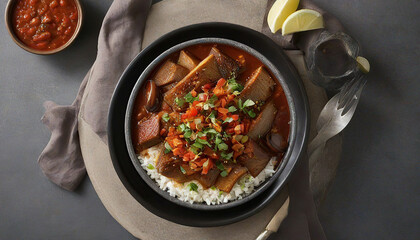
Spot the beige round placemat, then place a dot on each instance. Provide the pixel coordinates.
(164, 17)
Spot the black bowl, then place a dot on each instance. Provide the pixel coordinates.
(128, 170)
(144, 77)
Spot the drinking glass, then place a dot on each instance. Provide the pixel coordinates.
(331, 60)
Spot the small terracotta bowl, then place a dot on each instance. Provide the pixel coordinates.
(9, 25)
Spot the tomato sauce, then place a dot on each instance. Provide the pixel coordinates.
(45, 24)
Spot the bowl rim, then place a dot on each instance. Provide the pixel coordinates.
(9, 26)
(143, 77)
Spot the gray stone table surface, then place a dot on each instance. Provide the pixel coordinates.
(376, 194)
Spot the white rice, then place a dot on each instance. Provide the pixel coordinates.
(210, 196)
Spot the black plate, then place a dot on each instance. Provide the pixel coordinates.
(116, 139)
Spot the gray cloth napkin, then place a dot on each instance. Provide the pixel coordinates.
(118, 43)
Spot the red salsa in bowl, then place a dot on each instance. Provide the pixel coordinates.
(45, 25)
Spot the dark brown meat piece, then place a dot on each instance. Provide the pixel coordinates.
(169, 72)
(258, 87)
(207, 180)
(262, 124)
(255, 158)
(227, 66)
(205, 72)
(169, 166)
(187, 60)
(226, 183)
(149, 132)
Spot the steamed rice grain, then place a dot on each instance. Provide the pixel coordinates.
(210, 196)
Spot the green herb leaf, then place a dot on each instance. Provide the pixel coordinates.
(240, 104)
(193, 187)
(202, 141)
(222, 146)
(182, 170)
(251, 113)
(234, 86)
(248, 103)
(166, 117)
(168, 148)
(213, 188)
(211, 131)
(182, 127)
(218, 140)
(195, 150)
(187, 133)
(189, 97)
(150, 166)
(179, 101)
(198, 145)
(220, 166)
(232, 109)
(223, 173)
(226, 156)
(228, 120)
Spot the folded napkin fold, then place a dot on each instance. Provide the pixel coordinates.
(119, 42)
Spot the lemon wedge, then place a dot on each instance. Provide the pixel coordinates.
(280, 10)
(363, 64)
(302, 20)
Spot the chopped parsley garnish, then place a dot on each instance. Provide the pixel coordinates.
(189, 98)
(226, 156)
(228, 120)
(198, 145)
(202, 141)
(220, 166)
(182, 170)
(232, 109)
(223, 172)
(166, 117)
(150, 166)
(248, 103)
(234, 86)
(193, 187)
(167, 147)
(222, 146)
(179, 101)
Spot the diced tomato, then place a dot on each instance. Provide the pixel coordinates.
(206, 87)
(222, 110)
(223, 102)
(230, 131)
(162, 131)
(184, 116)
(177, 142)
(237, 147)
(207, 166)
(220, 83)
(188, 156)
(193, 112)
(203, 137)
(195, 103)
(239, 129)
(193, 126)
(194, 93)
(200, 161)
(235, 117)
(178, 151)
